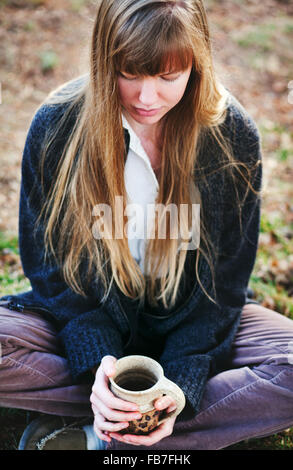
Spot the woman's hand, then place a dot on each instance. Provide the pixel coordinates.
(164, 430)
(111, 413)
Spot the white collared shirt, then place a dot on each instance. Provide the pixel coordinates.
(142, 189)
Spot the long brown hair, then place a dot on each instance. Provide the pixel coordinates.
(139, 37)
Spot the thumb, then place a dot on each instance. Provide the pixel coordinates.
(108, 364)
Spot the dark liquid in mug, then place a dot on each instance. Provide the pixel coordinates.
(135, 382)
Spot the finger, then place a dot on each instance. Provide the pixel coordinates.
(115, 415)
(95, 409)
(162, 431)
(100, 433)
(165, 402)
(104, 425)
(171, 408)
(99, 407)
(108, 365)
(120, 438)
(109, 400)
(126, 439)
(111, 427)
(101, 391)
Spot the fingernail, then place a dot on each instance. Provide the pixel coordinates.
(160, 403)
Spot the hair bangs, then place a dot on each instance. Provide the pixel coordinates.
(153, 49)
(162, 62)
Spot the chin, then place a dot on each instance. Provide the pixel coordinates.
(147, 119)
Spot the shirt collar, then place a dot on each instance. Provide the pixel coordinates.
(137, 148)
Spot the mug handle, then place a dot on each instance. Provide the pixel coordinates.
(169, 388)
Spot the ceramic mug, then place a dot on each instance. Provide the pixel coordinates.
(141, 380)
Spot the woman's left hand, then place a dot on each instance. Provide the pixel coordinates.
(163, 430)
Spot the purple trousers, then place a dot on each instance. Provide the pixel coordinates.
(253, 398)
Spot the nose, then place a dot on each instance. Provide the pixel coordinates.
(148, 91)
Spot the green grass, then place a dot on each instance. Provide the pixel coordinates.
(8, 243)
(275, 226)
(12, 284)
(272, 274)
(12, 279)
(280, 441)
(77, 5)
(284, 154)
(49, 60)
(262, 36)
(265, 46)
(22, 3)
(268, 291)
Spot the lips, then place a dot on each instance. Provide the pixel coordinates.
(147, 112)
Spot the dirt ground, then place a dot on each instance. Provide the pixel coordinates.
(26, 35)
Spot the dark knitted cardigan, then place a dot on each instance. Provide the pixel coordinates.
(192, 340)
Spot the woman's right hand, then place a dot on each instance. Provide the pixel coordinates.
(111, 413)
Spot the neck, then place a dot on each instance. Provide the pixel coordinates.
(150, 132)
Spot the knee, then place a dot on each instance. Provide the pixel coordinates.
(277, 369)
(287, 371)
(285, 379)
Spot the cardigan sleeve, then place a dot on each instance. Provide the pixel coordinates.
(86, 329)
(201, 346)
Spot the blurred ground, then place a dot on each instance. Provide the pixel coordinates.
(40, 47)
(44, 43)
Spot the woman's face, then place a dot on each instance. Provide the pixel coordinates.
(148, 99)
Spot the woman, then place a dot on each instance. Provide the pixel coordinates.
(150, 123)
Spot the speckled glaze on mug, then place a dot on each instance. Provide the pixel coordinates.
(136, 372)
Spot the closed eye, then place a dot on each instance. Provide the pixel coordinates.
(170, 77)
(127, 77)
(167, 78)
